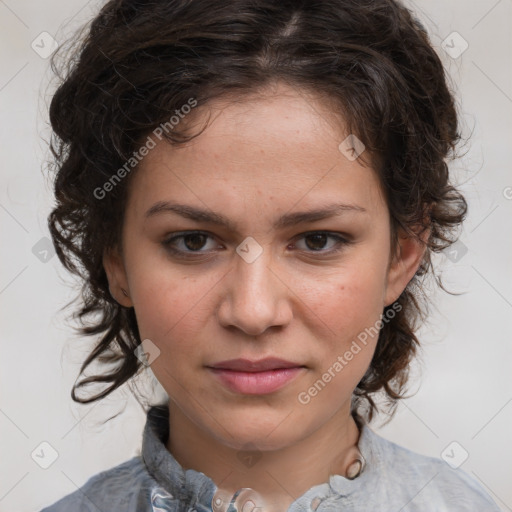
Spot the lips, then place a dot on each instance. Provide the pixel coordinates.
(256, 377)
(246, 365)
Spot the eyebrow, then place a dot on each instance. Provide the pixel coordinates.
(285, 221)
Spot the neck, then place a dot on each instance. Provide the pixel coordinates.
(278, 476)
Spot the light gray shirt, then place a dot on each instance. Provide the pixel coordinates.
(393, 479)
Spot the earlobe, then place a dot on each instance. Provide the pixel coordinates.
(116, 275)
(406, 262)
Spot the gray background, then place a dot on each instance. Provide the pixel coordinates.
(464, 376)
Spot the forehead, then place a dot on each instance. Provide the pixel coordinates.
(281, 147)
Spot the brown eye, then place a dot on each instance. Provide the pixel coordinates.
(189, 244)
(316, 242)
(195, 241)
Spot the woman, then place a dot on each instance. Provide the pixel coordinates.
(251, 192)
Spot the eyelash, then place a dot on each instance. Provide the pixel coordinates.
(341, 243)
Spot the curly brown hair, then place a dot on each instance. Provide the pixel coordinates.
(141, 61)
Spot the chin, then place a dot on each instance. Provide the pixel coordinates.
(261, 443)
(251, 436)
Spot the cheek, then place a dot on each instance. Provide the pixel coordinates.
(172, 313)
(343, 314)
(344, 302)
(165, 298)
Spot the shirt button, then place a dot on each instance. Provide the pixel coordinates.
(355, 469)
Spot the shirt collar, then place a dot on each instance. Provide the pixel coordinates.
(197, 490)
(187, 486)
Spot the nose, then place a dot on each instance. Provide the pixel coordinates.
(255, 296)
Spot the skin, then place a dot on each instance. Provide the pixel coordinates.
(260, 157)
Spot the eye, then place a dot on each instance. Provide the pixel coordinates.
(316, 241)
(190, 242)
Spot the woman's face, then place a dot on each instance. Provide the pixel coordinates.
(266, 285)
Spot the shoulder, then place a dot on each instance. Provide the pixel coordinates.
(119, 488)
(424, 482)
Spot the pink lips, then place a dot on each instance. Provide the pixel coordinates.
(255, 377)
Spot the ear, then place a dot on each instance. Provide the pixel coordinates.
(404, 264)
(116, 275)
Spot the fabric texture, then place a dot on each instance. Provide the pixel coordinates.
(394, 479)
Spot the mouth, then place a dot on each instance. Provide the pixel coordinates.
(246, 365)
(256, 377)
